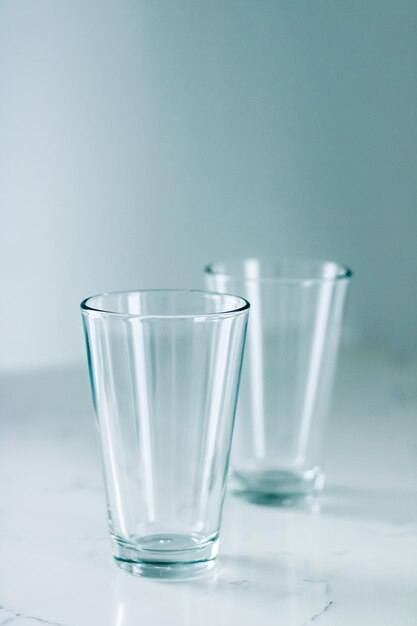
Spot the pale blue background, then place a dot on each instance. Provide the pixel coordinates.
(140, 139)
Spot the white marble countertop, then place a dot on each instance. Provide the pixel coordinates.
(348, 559)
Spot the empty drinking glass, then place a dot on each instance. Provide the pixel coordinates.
(293, 333)
(165, 368)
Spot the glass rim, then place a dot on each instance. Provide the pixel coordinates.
(86, 308)
(343, 272)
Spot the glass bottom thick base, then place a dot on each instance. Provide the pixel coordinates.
(279, 483)
(166, 555)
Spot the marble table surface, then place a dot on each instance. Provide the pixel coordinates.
(348, 558)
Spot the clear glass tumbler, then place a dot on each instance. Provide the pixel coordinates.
(293, 333)
(165, 368)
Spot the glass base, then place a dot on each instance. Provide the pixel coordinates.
(280, 483)
(166, 555)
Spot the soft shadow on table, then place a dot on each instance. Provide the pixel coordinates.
(370, 504)
(238, 586)
(362, 503)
